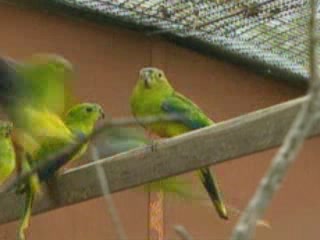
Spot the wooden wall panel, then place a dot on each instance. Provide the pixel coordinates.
(107, 61)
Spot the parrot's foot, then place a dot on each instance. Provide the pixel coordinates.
(21, 188)
(154, 145)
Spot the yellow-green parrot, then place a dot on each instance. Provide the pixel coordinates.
(80, 119)
(154, 96)
(33, 94)
(7, 153)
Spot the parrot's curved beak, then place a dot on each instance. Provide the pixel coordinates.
(102, 115)
(145, 75)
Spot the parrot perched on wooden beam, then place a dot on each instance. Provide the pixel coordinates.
(153, 95)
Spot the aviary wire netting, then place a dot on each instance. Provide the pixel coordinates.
(274, 32)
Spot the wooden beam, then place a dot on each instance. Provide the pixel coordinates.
(227, 140)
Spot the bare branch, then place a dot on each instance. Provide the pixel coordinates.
(286, 155)
(104, 185)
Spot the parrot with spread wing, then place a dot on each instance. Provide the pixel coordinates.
(33, 94)
(153, 95)
(42, 81)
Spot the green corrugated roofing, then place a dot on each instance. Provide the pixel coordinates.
(269, 35)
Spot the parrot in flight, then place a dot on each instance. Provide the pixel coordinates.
(34, 94)
(153, 95)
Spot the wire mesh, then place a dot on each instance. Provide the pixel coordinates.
(271, 31)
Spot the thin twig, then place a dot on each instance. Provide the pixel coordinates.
(293, 142)
(182, 232)
(64, 156)
(104, 184)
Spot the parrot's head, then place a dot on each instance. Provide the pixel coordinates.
(83, 117)
(5, 129)
(153, 79)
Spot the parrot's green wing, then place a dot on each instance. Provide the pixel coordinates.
(192, 117)
(45, 82)
(35, 126)
(190, 114)
(33, 94)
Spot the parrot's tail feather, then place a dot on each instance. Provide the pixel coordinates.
(35, 184)
(31, 187)
(34, 181)
(25, 218)
(212, 188)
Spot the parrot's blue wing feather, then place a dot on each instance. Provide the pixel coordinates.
(190, 114)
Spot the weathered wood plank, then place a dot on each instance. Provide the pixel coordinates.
(227, 140)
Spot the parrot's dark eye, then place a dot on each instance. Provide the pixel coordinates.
(89, 109)
(159, 75)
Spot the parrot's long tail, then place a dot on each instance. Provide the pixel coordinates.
(212, 188)
(30, 189)
(25, 218)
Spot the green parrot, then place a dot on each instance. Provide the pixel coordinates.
(33, 94)
(154, 96)
(7, 153)
(80, 119)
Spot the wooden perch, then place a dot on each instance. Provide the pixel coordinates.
(227, 140)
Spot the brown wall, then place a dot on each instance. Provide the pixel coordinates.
(108, 60)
